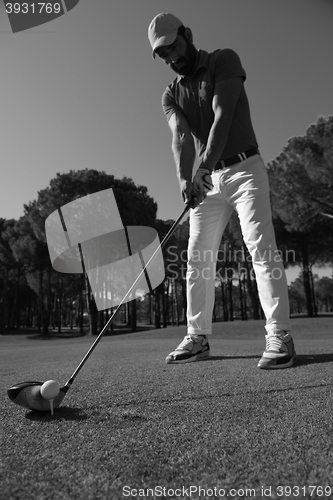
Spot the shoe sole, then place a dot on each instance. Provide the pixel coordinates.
(290, 363)
(202, 356)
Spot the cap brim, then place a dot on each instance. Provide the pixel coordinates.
(165, 40)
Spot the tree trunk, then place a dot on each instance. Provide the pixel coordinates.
(4, 312)
(150, 309)
(164, 305)
(81, 307)
(167, 301)
(93, 321)
(307, 289)
(46, 323)
(241, 298)
(101, 320)
(2, 309)
(40, 318)
(230, 301)
(91, 308)
(157, 307)
(133, 316)
(27, 323)
(171, 307)
(251, 288)
(93, 314)
(54, 308)
(313, 294)
(111, 327)
(224, 302)
(14, 317)
(176, 302)
(244, 295)
(184, 300)
(59, 303)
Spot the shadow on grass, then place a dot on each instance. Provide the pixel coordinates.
(300, 388)
(76, 334)
(34, 334)
(313, 359)
(69, 333)
(62, 413)
(52, 336)
(302, 359)
(134, 404)
(224, 358)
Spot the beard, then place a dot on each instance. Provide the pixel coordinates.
(185, 64)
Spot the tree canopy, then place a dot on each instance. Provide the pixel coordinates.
(301, 177)
(301, 180)
(23, 242)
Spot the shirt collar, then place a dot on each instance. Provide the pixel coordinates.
(202, 62)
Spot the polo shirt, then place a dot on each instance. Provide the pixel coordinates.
(193, 96)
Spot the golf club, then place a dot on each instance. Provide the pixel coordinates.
(327, 215)
(28, 394)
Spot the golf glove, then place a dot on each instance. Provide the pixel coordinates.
(202, 181)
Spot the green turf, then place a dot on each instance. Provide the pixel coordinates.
(132, 421)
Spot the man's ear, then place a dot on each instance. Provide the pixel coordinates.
(188, 35)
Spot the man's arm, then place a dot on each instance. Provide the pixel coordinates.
(226, 95)
(184, 153)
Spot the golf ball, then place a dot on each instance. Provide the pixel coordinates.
(50, 389)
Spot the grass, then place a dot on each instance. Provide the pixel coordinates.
(132, 422)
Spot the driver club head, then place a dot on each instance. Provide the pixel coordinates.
(28, 395)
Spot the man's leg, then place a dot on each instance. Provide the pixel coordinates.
(249, 192)
(207, 223)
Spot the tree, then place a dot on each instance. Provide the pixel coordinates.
(324, 294)
(301, 180)
(30, 251)
(302, 175)
(316, 151)
(172, 294)
(235, 271)
(297, 297)
(136, 207)
(7, 264)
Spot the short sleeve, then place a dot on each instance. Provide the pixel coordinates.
(226, 65)
(169, 104)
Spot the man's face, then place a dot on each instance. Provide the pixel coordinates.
(180, 55)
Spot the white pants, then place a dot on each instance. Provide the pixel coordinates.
(242, 187)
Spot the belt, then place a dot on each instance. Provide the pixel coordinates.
(236, 159)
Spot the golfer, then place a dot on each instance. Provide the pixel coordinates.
(208, 113)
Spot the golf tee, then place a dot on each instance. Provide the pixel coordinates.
(51, 405)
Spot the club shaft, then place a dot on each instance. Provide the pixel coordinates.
(330, 216)
(109, 321)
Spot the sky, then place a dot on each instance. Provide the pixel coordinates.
(83, 91)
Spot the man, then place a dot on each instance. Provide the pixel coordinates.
(208, 113)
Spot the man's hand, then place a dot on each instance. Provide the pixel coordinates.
(202, 184)
(186, 190)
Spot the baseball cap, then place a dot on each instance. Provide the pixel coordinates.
(163, 30)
